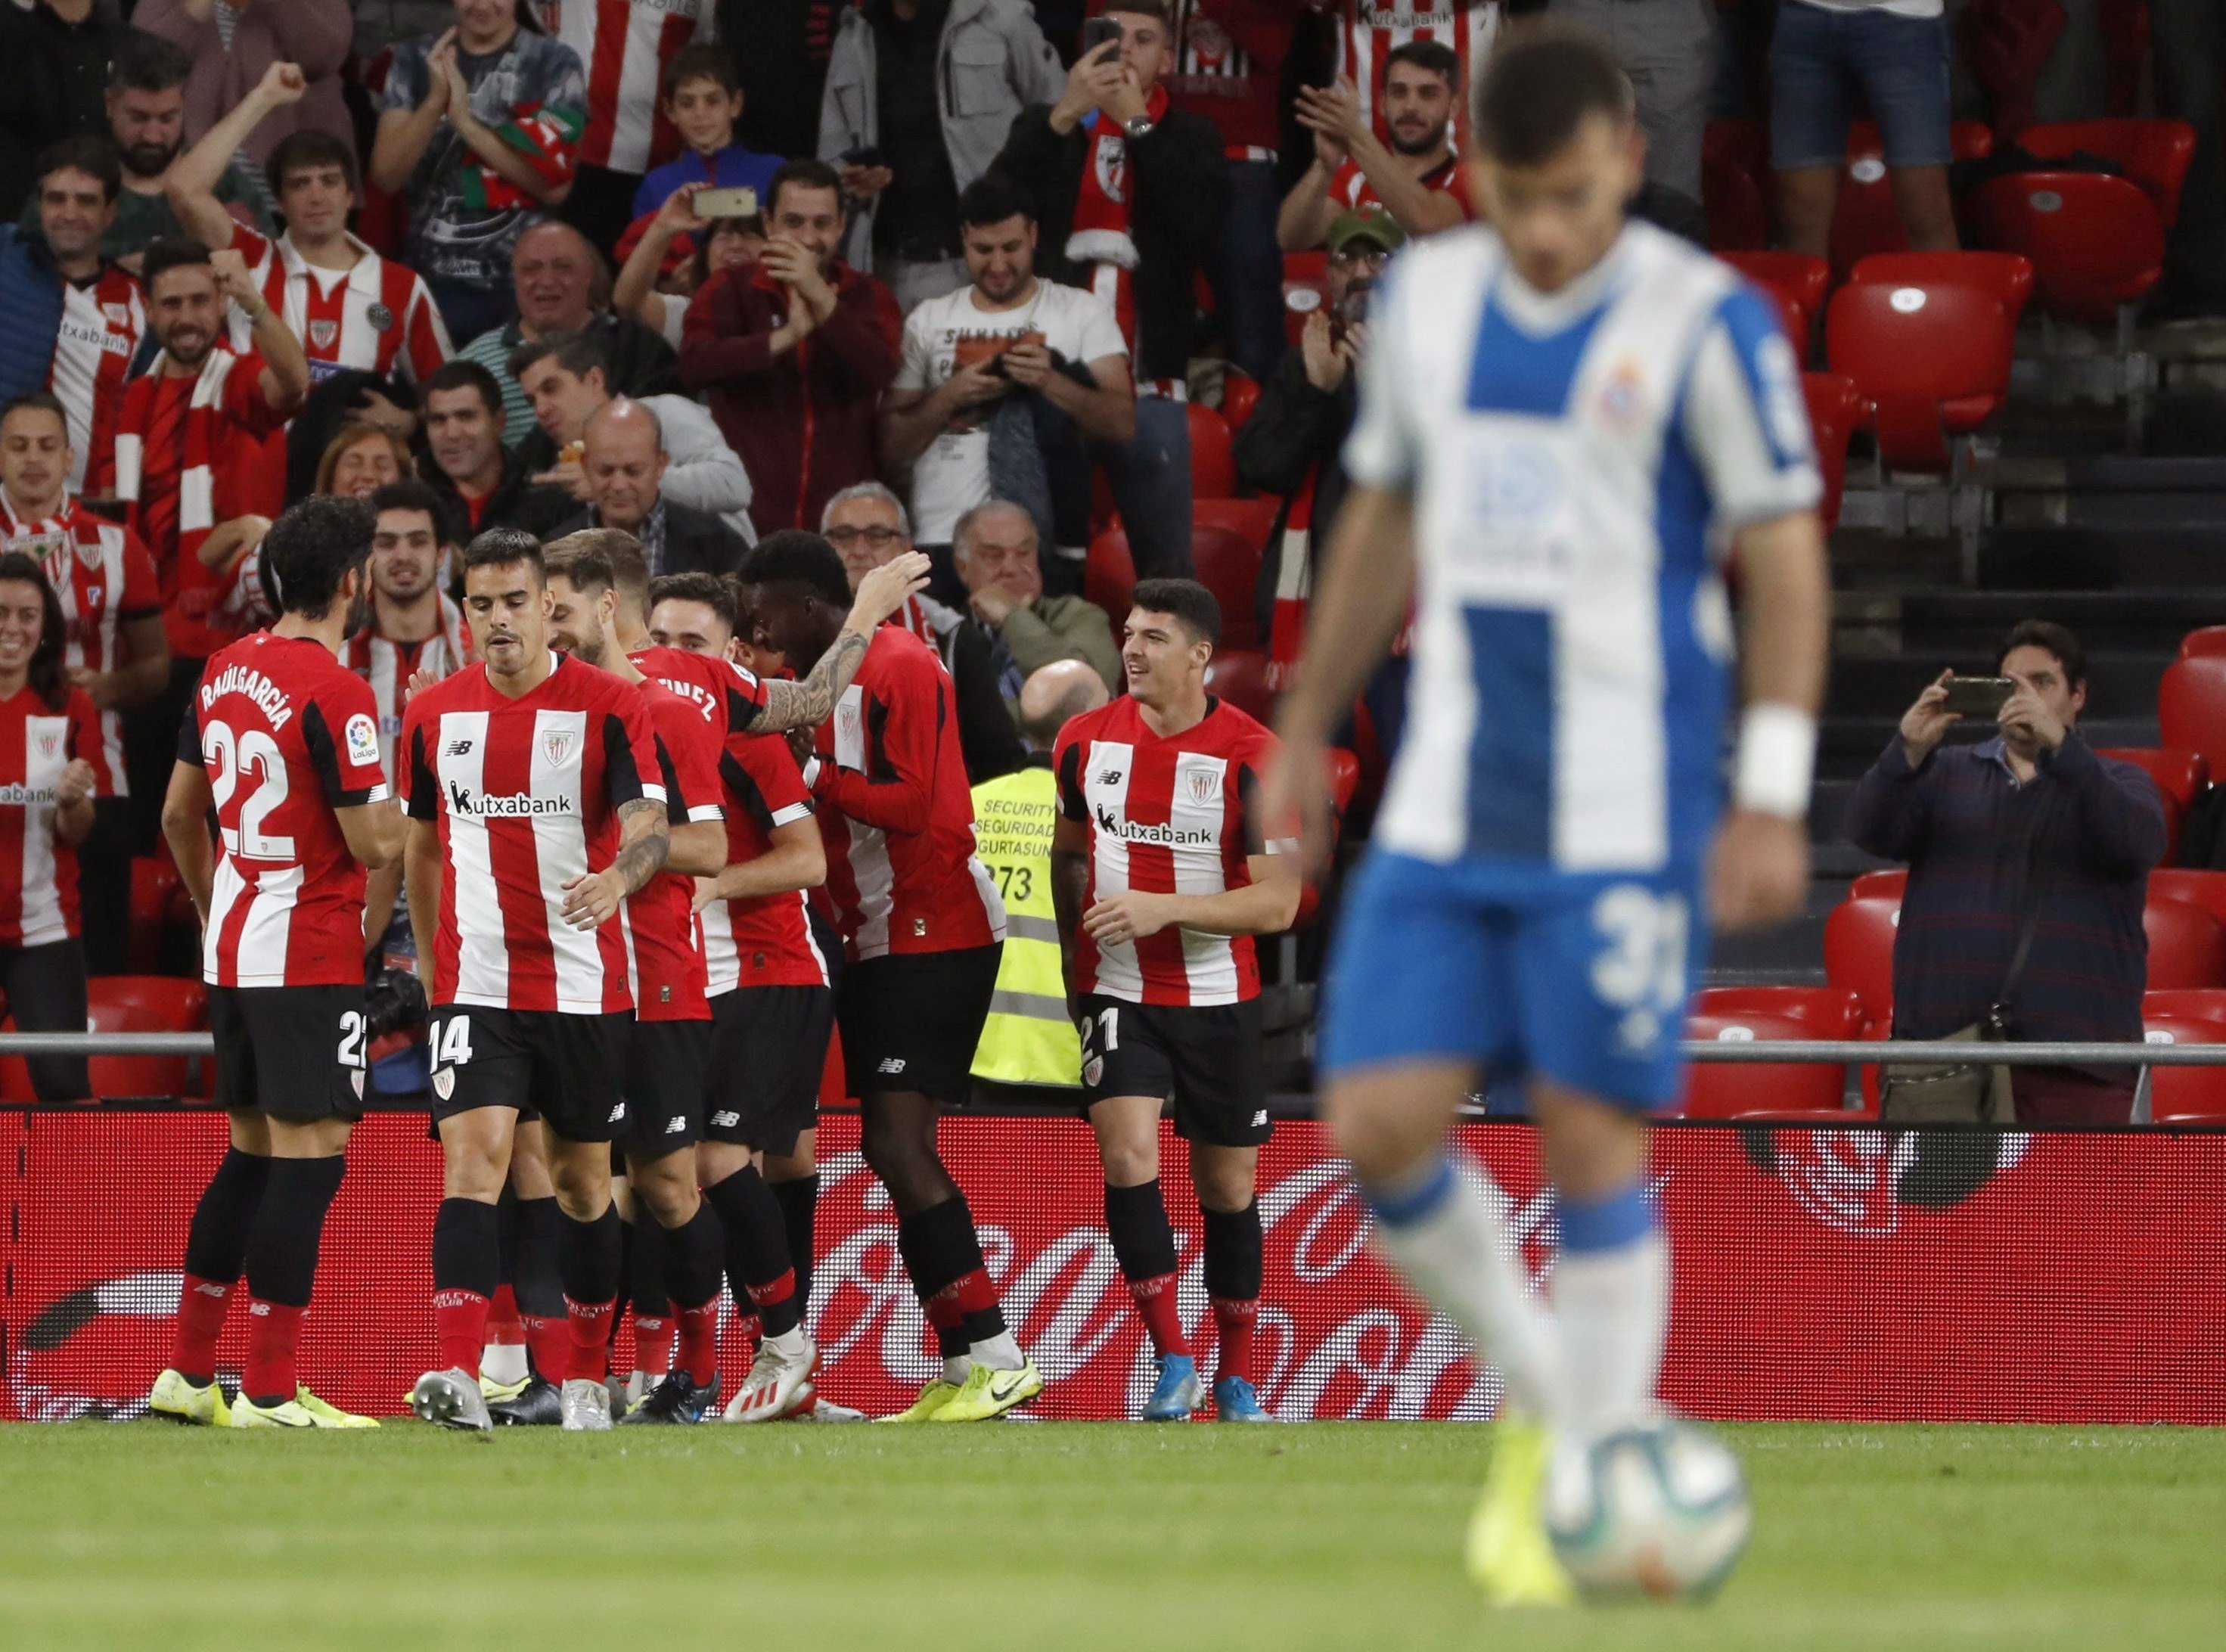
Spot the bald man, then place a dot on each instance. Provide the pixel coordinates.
(623, 464)
(1052, 695)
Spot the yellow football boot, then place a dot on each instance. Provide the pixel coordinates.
(1509, 1554)
(987, 1392)
(933, 1398)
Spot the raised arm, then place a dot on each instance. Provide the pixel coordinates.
(405, 133)
(810, 702)
(191, 183)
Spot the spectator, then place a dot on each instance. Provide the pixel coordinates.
(566, 379)
(921, 94)
(71, 320)
(53, 65)
(703, 101)
(2028, 826)
(720, 244)
(563, 286)
(867, 525)
(793, 352)
(481, 483)
(1002, 379)
(233, 45)
(1896, 50)
(1129, 190)
(1668, 50)
(480, 127)
(362, 459)
(348, 397)
(46, 811)
(350, 307)
(1417, 177)
(1368, 31)
(996, 547)
(2187, 40)
(622, 463)
(381, 25)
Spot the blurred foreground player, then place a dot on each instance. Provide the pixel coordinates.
(1567, 424)
(282, 742)
(1163, 872)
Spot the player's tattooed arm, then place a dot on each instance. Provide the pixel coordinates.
(593, 898)
(810, 702)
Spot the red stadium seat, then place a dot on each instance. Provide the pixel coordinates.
(2154, 154)
(1731, 168)
(2205, 642)
(1823, 1012)
(1864, 219)
(1835, 408)
(1306, 289)
(2180, 1094)
(1928, 339)
(1795, 280)
(1343, 781)
(1730, 1089)
(2187, 943)
(1240, 677)
(1240, 394)
(1109, 574)
(2096, 243)
(2180, 777)
(1884, 885)
(1859, 951)
(144, 1004)
(2188, 1003)
(2191, 707)
(2194, 887)
(1229, 538)
(159, 902)
(1212, 472)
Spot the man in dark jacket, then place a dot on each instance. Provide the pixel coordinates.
(623, 462)
(54, 74)
(481, 483)
(1128, 196)
(791, 354)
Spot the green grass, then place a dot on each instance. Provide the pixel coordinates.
(1060, 1536)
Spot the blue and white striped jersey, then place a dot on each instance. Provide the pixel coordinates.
(1578, 461)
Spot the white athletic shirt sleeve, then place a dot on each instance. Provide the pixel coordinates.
(1746, 421)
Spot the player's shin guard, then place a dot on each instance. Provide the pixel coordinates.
(692, 1281)
(1144, 1245)
(759, 1266)
(1451, 1234)
(282, 1269)
(587, 1258)
(799, 1209)
(467, 1267)
(540, 1288)
(1612, 1302)
(216, 1250)
(1233, 1267)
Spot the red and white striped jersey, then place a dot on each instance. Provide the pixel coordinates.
(895, 813)
(377, 316)
(728, 697)
(526, 794)
(668, 956)
(1349, 188)
(388, 666)
(103, 320)
(103, 576)
(1368, 31)
(764, 940)
(38, 871)
(623, 47)
(1172, 816)
(287, 734)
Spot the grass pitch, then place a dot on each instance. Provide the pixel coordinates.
(1060, 1536)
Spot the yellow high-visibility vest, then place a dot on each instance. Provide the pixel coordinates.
(1027, 1038)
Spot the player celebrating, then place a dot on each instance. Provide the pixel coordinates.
(280, 741)
(536, 805)
(1162, 875)
(1565, 427)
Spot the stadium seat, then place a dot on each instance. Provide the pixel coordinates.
(2180, 777)
(1212, 472)
(1795, 280)
(158, 901)
(2096, 242)
(1729, 1090)
(2196, 886)
(1864, 219)
(2187, 943)
(2191, 1003)
(1835, 408)
(1859, 951)
(2205, 642)
(2180, 1094)
(1343, 782)
(1306, 289)
(1240, 394)
(2004, 275)
(144, 1004)
(1928, 338)
(1240, 677)
(1109, 574)
(1228, 539)
(1823, 1012)
(2153, 154)
(2191, 707)
(1733, 162)
(1885, 884)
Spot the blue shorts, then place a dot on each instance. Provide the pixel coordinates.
(1580, 978)
(1820, 60)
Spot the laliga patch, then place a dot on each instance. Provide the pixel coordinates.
(444, 1082)
(363, 740)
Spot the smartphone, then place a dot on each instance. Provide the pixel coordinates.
(725, 203)
(867, 156)
(1978, 697)
(1097, 31)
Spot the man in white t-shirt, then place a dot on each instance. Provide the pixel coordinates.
(1005, 334)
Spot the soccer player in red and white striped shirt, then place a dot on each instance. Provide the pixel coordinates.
(349, 307)
(1162, 874)
(280, 746)
(101, 318)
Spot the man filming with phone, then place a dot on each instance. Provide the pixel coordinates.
(2028, 858)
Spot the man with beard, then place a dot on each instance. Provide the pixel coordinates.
(1417, 178)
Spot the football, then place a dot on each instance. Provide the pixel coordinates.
(1660, 1511)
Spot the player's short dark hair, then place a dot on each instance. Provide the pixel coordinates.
(1189, 601)
(2070, 653)
(993, 198)
(794, 556)
(500, 546)
(713, 592)
(309, 146)
(171, 252)
(577, 350)
(1542, 84)
(461, 374)
(44, 675)
(1431, 56)
(579, 559)
(94, 156)
(699, 61)
(804, 172)
(35, 401)
(409, 494)
(312, 544)
(146, 62)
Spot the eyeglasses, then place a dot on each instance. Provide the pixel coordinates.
(1373, 259)
(879, 538)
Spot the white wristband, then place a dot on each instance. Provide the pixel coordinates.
(1776, 760)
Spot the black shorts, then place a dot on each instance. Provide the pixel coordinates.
(294, 1052)
(768, 1050)
(911, 1021)
(667, 1064)
(1206, 1060)
(571, 1068)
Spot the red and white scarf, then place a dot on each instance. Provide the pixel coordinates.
(203, 431)
(1294, 587)
(1103, 212)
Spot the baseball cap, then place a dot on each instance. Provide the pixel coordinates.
(1366, 224)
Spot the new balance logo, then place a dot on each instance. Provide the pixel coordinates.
(617, 1114)
(460, 748)
(206, 1288)
(726, 1121)
(1260, 1119)
(674, 1127)
(892, 1065)
(259, 1310)
(1109, 777)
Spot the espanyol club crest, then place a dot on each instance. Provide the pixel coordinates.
(1113, 169)
(1623, 402)
(323, 334)
(556, 745)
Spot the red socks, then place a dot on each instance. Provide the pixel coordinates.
(273, 1332)
(460, 1325)
(201, 1306)
(1162, 1316)
(653, 1343)
(1235, 1317)
(548, 1344)
(699, 1342)
(591, 1339)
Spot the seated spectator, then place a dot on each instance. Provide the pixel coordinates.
(802, 421)
(1128, 192)
(703, 99)
(643, 291)
(2027, 827)
(348, 397)
(350, 307)
(54, 64)
(1000, 379)
(995, 544)
(233, 45)
(565, 378)
(1417, 177)
(48, 783)
(479, 130)
(867, 525)
(70, 320)
(1896, 50)
(910, 131)
(1368, 31)
(625, 52)
(622, 462)
(362, 459)
(563, 285)
(481, 483)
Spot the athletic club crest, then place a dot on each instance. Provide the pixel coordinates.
(556, 745)
(50, 745)
(324, 334)
(1113, 168)
(119, 315)
(1205, 786)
